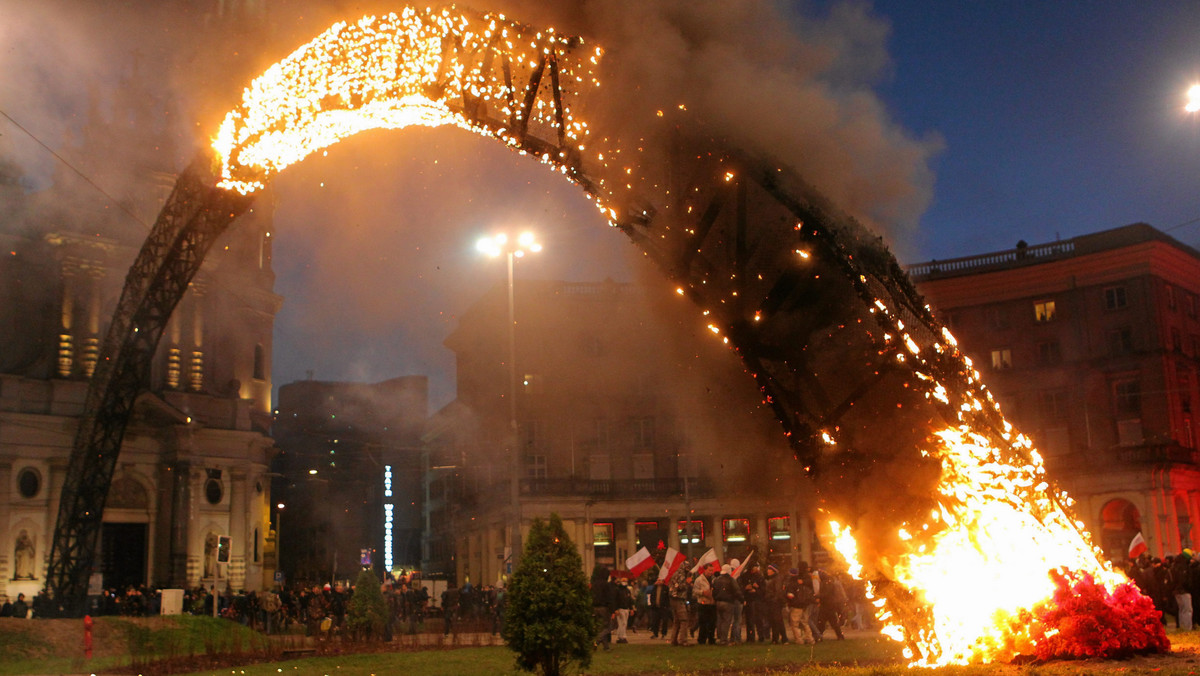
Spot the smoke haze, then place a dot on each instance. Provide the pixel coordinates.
(374, 241)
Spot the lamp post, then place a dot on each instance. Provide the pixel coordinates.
(512, 248)
(1193, 99)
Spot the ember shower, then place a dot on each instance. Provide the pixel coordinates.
(906, 443)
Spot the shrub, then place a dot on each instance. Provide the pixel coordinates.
(548, 621)
(367, 612)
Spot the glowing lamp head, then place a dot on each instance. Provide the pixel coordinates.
(500, 244)
(1193, 99)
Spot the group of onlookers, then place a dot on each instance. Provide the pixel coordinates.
(1171, 582)
(729, 604)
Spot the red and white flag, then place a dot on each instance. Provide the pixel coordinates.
(670, 564)
(710, 557)
(640, 562)
(742, 565)
(1138, 546)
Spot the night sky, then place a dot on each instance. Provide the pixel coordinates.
(1038, 120)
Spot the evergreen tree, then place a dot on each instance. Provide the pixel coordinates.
(549, 622)
(367, 612)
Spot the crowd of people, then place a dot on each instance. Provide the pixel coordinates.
(729, 604)
(1171, 582)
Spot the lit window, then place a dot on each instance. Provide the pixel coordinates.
(602, 534)
(1001, 359)
(737, 530)
(690, 531)
(1043, 311)
(778, 528)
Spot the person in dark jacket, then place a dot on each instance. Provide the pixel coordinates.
(604, 605)
(753, 615)
(726, 593)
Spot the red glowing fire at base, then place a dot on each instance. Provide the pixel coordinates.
(1085, 620)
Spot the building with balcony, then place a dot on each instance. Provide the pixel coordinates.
(1092, 347)
(633, 424)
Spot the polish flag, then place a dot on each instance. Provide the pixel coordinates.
(639, 563)
(670, 564)
(709, 557)
(1137, 547)
(742, 565)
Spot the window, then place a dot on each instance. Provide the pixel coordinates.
(1043, 311)
(1049, 352)
(213, 491)
(1120, 341)
(260, 363)
(1114, 298)
(535, 466)
(690, 531)
(643, 465)
(599, 467)
(29, 482)
(1176, 339)
(1001, 359)
(643, 431)
(779, 539)
(1053, 404)
(1056, 441)
(604, 544)
(1127, 396)
(603, 433)
(1187, 433)
(1185, 390)
(737, 530)
(996, 318)
(533, 433)
(650, 535)
(1189, 304)
(1170, 290)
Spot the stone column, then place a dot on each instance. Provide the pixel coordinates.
(631, 538)
(237, 529)
(718, 535)
(762, 539)
(6, 543)
(801, 538)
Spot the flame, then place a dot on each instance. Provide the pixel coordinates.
(417, 68)
(979, 579)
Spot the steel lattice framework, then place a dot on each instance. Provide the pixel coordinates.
(818, 310)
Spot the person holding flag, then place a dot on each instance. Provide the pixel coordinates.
(1137, 547)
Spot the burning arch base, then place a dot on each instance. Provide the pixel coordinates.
(845, 352)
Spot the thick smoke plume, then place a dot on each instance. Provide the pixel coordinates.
(120, 91)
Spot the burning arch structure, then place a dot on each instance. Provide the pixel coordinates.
(854, 365)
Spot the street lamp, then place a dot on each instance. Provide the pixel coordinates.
(494, 246)
(1193, 99)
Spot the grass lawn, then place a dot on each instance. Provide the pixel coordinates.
(855, 657)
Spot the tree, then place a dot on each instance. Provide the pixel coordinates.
(367, 612)
(548, 621)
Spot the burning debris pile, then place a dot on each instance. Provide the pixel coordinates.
(998, 569)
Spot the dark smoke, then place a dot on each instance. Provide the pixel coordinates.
(123, 89)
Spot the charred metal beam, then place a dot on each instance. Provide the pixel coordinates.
(195, 214)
